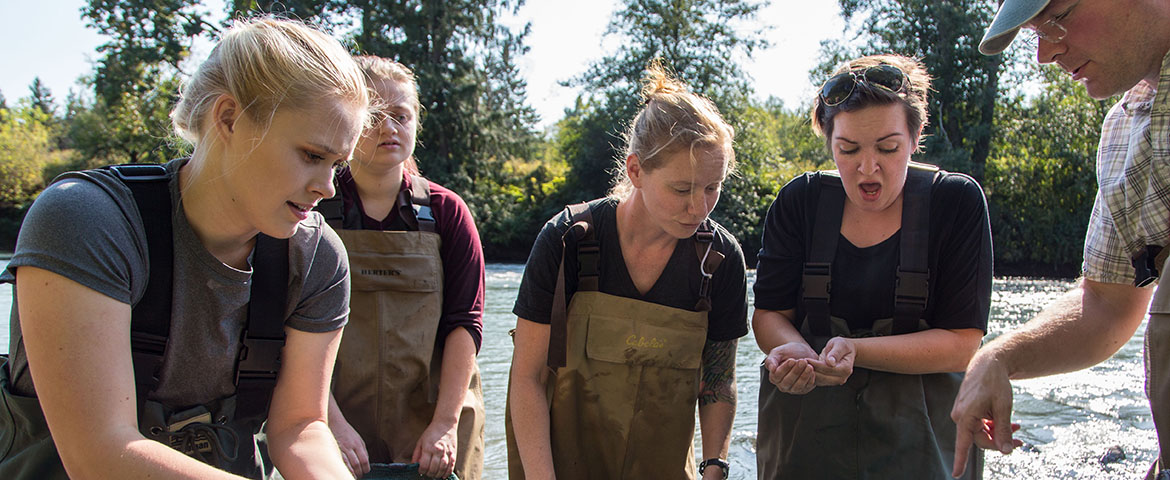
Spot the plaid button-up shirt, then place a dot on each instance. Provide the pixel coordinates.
(1132, 208)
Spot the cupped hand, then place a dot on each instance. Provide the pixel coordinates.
(436, 450)
(789, 369)
(835, 364)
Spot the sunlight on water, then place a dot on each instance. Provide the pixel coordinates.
(1068, 421)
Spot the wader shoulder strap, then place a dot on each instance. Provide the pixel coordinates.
(709, 260)
(416, 205)
(259, 358)
(581, 235)
(913, 277)
(150, 318)
(817, 278)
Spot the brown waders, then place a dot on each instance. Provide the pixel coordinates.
(878, 425)
(624, 405)
(387, 375)
(624, 379)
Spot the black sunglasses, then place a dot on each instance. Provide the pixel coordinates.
(839, 88)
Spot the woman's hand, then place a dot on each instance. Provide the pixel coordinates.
(436, 449)
(789, 368)
(353, 448)
(835, 364)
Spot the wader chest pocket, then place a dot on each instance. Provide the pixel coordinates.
(372, 272)
(621, 340)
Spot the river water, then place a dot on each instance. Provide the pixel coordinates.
(1068, 421)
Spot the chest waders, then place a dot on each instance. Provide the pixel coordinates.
(624, 374)
(878, 425)
(220, 433)
(386, 380)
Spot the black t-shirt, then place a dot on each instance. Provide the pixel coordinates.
(863, 279)
(677, 287)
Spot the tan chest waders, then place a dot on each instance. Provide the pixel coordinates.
(879, 425)
(625, 379)
(386, 380)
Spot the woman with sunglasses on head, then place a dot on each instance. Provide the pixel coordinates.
(164, 313)
(630, 311)
(872, 292)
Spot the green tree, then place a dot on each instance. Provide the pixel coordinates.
(136, 80)
(24, 153)
(945, 35)
(699, 40)
(3, 102)
(42, 98)
(477, 130)
(1040, 178)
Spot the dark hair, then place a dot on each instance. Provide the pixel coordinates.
(912, 96)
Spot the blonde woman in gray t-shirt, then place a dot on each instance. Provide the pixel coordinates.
(272, 112)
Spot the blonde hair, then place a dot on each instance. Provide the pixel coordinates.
(673, 119)
(912, 95)
(378, 68)
(265, 63)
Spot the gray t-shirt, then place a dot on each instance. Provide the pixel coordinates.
(86, 227)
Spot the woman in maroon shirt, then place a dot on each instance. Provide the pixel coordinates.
(406, 384)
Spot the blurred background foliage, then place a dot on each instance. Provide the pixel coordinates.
(1027, 133)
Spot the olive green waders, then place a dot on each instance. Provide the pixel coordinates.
(878, 425)
(388, 367)
(1157, 365)
(624, 405)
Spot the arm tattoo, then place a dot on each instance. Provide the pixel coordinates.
(718, 380)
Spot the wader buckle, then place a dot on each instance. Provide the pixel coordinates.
(817, 281)
(1146, 265)
(259, 358)
(912, 287)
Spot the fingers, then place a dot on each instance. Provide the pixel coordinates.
(963, 441)
(793, 376)
(363, 459)
(1001, 412)
(352, 462)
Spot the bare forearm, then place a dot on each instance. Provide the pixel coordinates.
(529, 402)
(458, 363)
(1080, 329)
(933, 350)
(715, 422)
(774, 328)
(307, 450)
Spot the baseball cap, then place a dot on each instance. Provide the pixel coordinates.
(1012, 14)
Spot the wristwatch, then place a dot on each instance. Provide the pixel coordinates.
(717, 462)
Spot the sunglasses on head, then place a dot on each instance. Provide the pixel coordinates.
(840, 87)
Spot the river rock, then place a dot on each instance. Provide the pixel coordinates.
(1112, 454)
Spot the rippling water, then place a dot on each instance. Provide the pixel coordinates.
(1068, 421)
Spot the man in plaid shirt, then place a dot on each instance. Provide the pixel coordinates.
(1112, 47)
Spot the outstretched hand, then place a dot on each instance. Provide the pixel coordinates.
(983, 410)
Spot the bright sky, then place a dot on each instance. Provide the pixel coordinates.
(48, 39)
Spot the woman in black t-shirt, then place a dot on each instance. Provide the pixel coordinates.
(872, 292)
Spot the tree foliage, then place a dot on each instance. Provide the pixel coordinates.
(701, 41)
(25, 152)
(1040, 178)
(945, 35)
